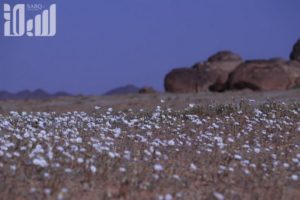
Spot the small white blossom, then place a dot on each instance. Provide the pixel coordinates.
(193, 167)
(93, 169)
(40, 161)
(158, 167)
(171, 142)
(168, 197)
(80, 160)
(47, 191)
(219, 196)
(122, 169)
(286, 165)
(237, 157)
(294, 177)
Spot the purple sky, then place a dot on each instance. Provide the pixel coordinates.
(103, 44)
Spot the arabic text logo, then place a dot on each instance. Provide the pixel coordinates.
(16, 25)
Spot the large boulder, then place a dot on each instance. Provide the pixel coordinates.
(213, 76)
(265, 75)
(182, 80)
(210, 75)
(295, 55)
(224, 56)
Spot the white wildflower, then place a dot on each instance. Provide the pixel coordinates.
(237, 157)
(93, 169)
(294, 177)
(171, 142)
(168, 197)
(122, 169)
(158, 167)
(80, 160)
(219, 196)
(193, 167)
(40, 161)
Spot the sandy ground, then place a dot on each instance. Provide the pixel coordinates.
(145, 101)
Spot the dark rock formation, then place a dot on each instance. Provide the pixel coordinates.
(264, 75)
(222, 56)
(147, 90)
(210, 75)
(226, 71)
(182, 80)
(295, 55)
(213, 75)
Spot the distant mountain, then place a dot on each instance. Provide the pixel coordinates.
(5, 95)
(27, 94)
(128, 89)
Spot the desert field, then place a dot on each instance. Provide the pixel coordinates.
(233, 145)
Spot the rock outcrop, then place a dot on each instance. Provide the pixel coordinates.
(182, 80)
(147, 90)
(295, 55)
(213, 75)
(265, 75)
(223, 56)
(259, 75)
(226, 71)
(204, 76)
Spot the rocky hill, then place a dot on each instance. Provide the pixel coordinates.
(27, 94)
